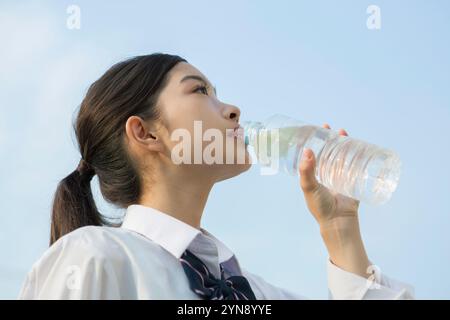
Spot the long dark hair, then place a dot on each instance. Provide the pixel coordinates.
(128, 88)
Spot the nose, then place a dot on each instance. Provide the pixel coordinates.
(231, 112)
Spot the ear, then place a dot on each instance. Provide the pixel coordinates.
(143, 134)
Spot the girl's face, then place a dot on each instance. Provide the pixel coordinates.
(189, 102)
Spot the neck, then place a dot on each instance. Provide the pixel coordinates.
(183, 198)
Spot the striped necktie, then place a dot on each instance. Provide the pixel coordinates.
(207, 286)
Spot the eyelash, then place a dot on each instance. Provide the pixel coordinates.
(203, 88)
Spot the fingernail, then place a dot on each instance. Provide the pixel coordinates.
(306, 155)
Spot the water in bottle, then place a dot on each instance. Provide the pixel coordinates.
(349, 166)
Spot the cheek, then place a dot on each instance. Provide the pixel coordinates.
(183, 112)
(181, 126)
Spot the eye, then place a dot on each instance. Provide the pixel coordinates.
(202, 89)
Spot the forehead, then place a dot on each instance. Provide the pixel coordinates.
(181, 70)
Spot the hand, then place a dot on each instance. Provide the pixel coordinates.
(324, 204)
(337, 216)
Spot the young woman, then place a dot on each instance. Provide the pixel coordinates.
(160, 251)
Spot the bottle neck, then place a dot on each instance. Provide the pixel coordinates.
(251, 131)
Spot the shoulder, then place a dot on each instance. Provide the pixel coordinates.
(80, 247)
(100, 244)
(97, 239)
(91, 254)
(91, 241)
(69, 266)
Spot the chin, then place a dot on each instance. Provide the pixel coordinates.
(233, 170)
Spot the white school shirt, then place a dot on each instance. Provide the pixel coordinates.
(139, 260)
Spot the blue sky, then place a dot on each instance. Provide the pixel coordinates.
(313, 60)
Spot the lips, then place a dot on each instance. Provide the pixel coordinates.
(238, 132)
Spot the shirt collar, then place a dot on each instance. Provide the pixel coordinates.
(172, 234)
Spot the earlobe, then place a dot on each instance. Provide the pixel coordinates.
(153, 143)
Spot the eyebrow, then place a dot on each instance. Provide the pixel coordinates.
(199, 78)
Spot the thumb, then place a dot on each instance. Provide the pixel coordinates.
(308, 180)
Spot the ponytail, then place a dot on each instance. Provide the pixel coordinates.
(129, 88)
(73, 204)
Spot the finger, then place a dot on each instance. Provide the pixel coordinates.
(343, 132)
(326, 126)
(307, 167)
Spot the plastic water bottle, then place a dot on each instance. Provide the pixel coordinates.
(352, 167)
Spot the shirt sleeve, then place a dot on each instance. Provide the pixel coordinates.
(71, 269)
(342, 285)
(345, 285)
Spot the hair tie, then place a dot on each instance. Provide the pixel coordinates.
(84, 168)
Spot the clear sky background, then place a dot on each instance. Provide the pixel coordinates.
(313, 60)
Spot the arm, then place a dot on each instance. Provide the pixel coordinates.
(337, 216)
(345, 247)
(349, 268)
